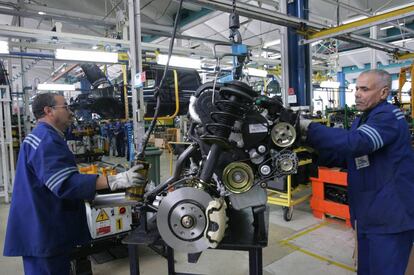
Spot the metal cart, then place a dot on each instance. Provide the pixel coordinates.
(288, 199)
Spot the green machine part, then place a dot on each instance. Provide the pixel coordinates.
(152, 155)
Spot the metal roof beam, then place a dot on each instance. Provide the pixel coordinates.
(258, 13)
(206, 40)
(60, 15)
(361, 24)
(31, 11)
(281, 19)
(12, 31)
(359, 11)
(94, 39)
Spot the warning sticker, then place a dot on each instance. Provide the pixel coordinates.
(103, 230)
(102, 216)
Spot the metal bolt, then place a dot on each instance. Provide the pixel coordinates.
(187, 221)
(261, 149)
(265, 170)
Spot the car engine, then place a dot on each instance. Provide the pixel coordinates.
(239, 141)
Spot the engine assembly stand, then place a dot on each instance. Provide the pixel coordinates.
(247, 231)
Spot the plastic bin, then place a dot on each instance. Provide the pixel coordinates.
(152, 155)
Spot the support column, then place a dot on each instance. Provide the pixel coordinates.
(299, 58)
(374, 35)
(342, 89)
(136, 66)
(284, 57)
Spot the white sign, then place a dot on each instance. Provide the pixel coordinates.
(140, 79)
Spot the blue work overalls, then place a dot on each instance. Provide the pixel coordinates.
(379, 157)
(47, 213)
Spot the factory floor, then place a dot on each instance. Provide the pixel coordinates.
(305, 245)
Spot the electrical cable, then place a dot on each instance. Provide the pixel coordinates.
(141, 153)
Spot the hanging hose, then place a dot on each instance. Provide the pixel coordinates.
(141, 152)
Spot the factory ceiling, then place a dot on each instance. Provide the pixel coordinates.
(200, 27)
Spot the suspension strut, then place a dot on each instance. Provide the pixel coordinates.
(234, 99)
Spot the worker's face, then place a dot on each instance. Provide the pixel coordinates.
(61, 114)
(369, 92)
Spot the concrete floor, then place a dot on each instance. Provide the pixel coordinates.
(304, 245)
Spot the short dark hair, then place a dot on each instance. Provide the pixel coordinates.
(41, 101)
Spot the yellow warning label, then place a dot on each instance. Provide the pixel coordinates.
(123, 57)
(119, 224)
(102, 216)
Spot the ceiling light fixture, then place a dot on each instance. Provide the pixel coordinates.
(179, 61)
(390, 27)
(271, 43)
(91, 56)
(55, 87)
(330, 84)
(256, 72)
(4, 47)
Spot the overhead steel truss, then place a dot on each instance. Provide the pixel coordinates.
(304, 27)
(363, 12)
(360, 24)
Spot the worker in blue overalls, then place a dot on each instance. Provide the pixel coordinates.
(379, 158)
(47, 214)
(120, 138)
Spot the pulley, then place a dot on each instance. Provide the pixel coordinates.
(238, 177)
(286, 163)
(283, 134)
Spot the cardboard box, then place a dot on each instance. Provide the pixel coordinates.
(151, 139)
(159, 142)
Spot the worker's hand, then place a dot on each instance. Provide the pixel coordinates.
(304, 125)
(127, 179)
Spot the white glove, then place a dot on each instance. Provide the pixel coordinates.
(304, 125)
(127, 179)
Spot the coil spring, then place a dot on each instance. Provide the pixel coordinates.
(233, 103)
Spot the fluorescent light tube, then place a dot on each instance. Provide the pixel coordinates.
(390, 27)
(55, 87)
(271, 43)
(179, 61)
(256, 72)
(386, 28)
(4, 47)
(91, 56)
(330, 84)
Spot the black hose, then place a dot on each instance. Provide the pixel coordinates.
(141, 152)
(176, 173)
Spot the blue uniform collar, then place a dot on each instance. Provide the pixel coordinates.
(365, 115)
(59, 132)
